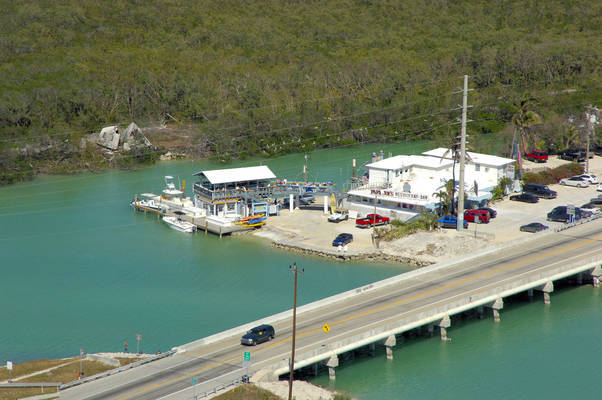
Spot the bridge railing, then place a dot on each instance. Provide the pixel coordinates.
(437, 312)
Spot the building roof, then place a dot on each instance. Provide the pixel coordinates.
(477, 158)
(234, 175)
(399, 162)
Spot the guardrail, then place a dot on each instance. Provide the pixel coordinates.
(116, 370)
(30, 384)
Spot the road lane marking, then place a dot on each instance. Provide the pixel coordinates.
(371, 311)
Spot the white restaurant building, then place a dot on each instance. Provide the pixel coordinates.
(403, 186)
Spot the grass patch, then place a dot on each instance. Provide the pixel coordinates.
(19, 393)
(29, 367)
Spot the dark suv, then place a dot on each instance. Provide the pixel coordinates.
(560, 214)
(572, 155)
(539, 190)
(259, 334)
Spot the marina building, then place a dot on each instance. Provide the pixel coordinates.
(234, 192)
(403, 186)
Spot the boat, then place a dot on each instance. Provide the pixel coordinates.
(149, 202)
(177, 223)
(253, 220)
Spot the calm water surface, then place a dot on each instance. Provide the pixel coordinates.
(79, 269)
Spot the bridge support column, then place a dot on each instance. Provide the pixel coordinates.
(332, 363)
(596, 273)
(325, 204)
(497, 305)
(579, 279)
(530, 294)
(547, 288)
(444, 324)
(480, 312)
(372, 349)
(430, 328)
(315, 369)
(389, 344)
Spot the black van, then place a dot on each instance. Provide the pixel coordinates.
(539, 190)
(259, 334)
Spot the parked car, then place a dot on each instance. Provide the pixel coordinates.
(342, 239)
(572, 155)
(537, 156)
(560, 214)
(591, 207)
(473, 215)
(371, 220)
(576, 181)
(590, 178)
(340, 215)
(525, 198)
(533, 227)
(491, 211)
(305, 199)
(450, 221)
(599, 188)
(259, 334)
(538, 190)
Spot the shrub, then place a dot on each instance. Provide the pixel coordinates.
(553, 175)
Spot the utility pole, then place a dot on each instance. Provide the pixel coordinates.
(295, 269)
(81, 357)
(460, 218)
(305, 169)
(590, 116)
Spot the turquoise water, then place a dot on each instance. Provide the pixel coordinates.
(536, 352)
(79, 269)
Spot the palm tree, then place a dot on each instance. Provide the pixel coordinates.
(443, 198)
(523, 119)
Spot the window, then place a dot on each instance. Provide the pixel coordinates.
(486, 169)
(477, 167)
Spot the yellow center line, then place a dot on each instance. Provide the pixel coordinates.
(368, 312)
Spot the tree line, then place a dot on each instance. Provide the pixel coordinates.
(264, 78)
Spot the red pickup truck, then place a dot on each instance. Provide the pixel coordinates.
(537, 156)
(371, 220)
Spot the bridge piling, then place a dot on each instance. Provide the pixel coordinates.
(497, 305)
(596, 273)
(443, 325)
(530, 294)
(332, 363)
(547, 288)
(389, 344)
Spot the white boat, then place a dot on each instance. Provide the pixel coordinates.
(149, 202)
(175, 222)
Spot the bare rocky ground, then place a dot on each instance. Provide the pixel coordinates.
(311, 228)
(301, 390)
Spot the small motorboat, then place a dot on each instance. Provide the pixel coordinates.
(177, 223)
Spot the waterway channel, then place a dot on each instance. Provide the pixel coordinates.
(79, 269)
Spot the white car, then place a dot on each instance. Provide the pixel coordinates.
(574, 181)
(599, 188)
(338, 216)
(591, 178)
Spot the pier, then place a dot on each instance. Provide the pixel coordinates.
(381, 314)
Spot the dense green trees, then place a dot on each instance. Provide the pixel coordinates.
(273, 76)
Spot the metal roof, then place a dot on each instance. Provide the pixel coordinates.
(234, 175)
(403, 161)
(477, 158)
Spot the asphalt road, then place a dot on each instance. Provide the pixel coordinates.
(360, 314)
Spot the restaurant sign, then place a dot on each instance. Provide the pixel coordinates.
(401, 195)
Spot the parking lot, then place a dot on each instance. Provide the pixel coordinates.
(312, 227)
(513, 214)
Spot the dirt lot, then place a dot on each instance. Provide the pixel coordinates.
(311, 227)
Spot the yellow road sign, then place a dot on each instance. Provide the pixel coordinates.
(326, 328)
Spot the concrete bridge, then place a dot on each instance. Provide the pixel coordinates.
(375, 314)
